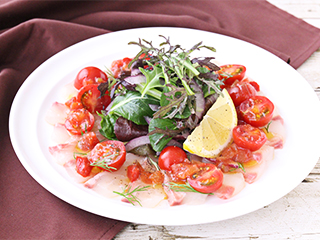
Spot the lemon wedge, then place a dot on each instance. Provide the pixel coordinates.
(214, 132)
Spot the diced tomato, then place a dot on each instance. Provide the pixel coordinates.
(236, 154)
(249, 137)
(144, 56)
(181, 171)
(255, 85)
(133, 172)
(257, 111)
(120, 66)
(90, 98)
(73, 104)
(151, 177)
(79, 121)
(136, 171)
(89, 75)
(156, 177)
(87, 141)
(83, 166)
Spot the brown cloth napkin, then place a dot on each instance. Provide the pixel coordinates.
(32, 31)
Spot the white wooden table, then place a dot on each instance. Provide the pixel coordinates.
(295, 216)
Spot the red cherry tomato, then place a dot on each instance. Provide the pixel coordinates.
(133, 172)
(87, 141)
(171, 155)
(257, 111)
(120, 66)
(249, 137)
(108, 155)
(79, 121)
(83, 166)
(90, 98)
(89, 75)
(241, 91)
(207, 180)
(231, 72)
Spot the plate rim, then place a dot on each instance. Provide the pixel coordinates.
(55, 192)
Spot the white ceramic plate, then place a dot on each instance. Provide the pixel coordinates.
(297, 103)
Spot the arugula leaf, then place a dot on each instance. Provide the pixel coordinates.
(152, 79)
(133, 107)
(210, 82)
(173, 103)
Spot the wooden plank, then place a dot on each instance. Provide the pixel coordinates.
(295, 216)
(299, 8)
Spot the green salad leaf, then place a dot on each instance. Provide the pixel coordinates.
(134, 107)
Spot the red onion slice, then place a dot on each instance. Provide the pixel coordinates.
(136, 142)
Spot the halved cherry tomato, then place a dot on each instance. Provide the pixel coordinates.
(79, 121)
(231, 72)
(241, 91)
(120, 66)
(207, 180)
(171, 155)
(249, 137)
(89, 75)
(87, 141)
(90, 98)
(133, 172)
(257, 111)
(83, 166)
(108, 155)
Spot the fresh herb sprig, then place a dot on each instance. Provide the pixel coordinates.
(267, 127)
(172, 63)
(129, 194)
(103, 162)
(182, 187)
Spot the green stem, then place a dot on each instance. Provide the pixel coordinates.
(151, 92)
(186, 86)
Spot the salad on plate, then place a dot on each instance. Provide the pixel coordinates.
(164, 128)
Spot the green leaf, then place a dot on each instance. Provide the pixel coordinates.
(152, 79)
(107, 126)
(161, 132)
(133, 107)
(173, 103)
